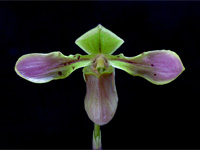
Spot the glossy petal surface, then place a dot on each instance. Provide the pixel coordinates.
(158, 67)
(101, 97)
(42, 68)
(99, 40)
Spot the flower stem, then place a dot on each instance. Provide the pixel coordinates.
(96, 142)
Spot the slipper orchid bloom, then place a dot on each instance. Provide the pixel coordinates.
(158, 67)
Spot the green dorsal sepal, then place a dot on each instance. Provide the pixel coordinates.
(99, 40)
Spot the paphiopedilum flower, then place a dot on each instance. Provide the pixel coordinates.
(158, 66)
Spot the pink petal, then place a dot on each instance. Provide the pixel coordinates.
(42, 68)
(101, 97)
(158, 67)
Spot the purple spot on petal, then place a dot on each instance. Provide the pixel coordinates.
(78, 57)
(154, 74)
(152, 65)
(106, 61)
(73, 67)
(60, 73)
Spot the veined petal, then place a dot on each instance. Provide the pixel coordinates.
(99, 40)
(158, 67)
(101, 97)
(42, 68)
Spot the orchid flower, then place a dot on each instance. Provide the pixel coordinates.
(158, 67)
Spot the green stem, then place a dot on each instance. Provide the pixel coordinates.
(96, 143)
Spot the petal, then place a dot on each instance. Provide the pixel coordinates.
(42, 68)
(101, 96)
(158, 67)
(99, 40)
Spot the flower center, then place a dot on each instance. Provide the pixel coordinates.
(99, 64)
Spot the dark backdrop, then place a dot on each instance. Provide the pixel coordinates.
(52, 115)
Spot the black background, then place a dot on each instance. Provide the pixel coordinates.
(52, 115)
